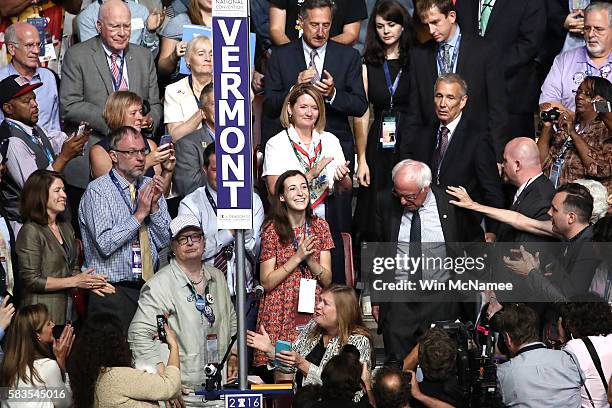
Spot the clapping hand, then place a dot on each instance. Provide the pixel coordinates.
(155, 19)
(7, 311)
(260, 341)
(306, 247)
(62, 347)
(525, 264)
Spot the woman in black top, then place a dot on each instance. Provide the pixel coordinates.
(385, 71)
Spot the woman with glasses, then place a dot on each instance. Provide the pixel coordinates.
(125, 108)
(183, 112)
(580, 148)
(196, 300)
(46, 249)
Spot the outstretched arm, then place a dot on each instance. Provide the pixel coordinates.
(514, 219)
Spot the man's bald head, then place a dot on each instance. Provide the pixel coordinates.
(521, 160)
(23, 44)
(114, 24)
(391, 388)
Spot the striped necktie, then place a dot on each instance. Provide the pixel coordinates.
(116, 74)
(485, 14)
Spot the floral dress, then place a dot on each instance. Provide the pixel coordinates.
(278, 308)
(599, 141)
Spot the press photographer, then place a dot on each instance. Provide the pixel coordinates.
(535, 376)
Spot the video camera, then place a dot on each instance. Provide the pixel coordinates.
(476, 369)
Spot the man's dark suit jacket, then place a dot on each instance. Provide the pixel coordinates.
(478, 65)
(469, 162)
(344, 65)
(516, 29)
(454, 224)
(533, 202)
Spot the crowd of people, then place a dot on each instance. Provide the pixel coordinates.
(435, 125)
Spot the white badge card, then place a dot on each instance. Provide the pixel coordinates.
(212, 349)
(387, 137)
(137, 24)
(306, 300)
(136, 259)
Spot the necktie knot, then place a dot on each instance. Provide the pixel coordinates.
(313, 55)
(114, 58)
(444, 131)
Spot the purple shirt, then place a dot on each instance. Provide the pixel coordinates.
(567, 72)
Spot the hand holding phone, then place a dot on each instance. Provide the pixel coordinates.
(161, 331)
(281, 345)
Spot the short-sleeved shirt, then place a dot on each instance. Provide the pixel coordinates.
(281, 157)
(346, 12)
(567, 72)
(174, 29)
(278, 307)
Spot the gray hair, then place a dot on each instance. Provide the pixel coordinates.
(118, 134)
(416, 170)
(600, 197)
(10, 35)
(453, 79)
(313, 4)
(600, 6)
(192, 44)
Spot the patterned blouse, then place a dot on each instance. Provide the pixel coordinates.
(599, 141)
(278, 308)
(305, 344)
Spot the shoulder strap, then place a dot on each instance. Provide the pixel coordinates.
(589, 345)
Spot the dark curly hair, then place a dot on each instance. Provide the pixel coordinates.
(587, 315)
(101, 344)
(341, 377)
(437, 354)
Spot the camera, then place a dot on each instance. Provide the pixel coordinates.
(551, 115)
(210, 370)
(161, 332)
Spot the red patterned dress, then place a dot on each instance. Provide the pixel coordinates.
(278, 308)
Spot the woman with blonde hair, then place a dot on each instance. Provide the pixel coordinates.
(304, 145)
(183, 112)
(34, 359)
(337, 321)
(125, 108)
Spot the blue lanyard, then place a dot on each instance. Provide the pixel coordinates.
(36, 140)
(453, 58)
(190, 79)
(125, 200)
(392, 87)
(117, 84)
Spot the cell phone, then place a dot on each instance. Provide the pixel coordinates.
(281, 345)
(165, 139)
(161, 332)
(602, 106)
(81, 129)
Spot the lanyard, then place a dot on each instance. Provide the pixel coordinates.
(392, 87)
(117, 82)
(203, 304)
(299, 153)
(190, 79)
(302, 264)
(603, 71)
(36, 140)
(125, 200)
(453, 58)
(210, 200)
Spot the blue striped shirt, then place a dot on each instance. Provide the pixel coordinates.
(108, 228)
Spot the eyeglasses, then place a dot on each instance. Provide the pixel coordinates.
(194, 238)
(117, 27)
(407, 197)
(132, 153)
(28, 46)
